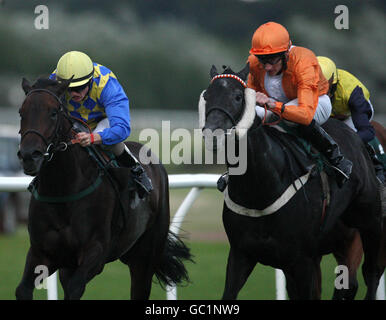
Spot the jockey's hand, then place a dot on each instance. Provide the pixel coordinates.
(86, 139)
(262, 99)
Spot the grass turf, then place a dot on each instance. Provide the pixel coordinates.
(207, 275)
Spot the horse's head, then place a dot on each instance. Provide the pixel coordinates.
(226, 104)
(41, 122)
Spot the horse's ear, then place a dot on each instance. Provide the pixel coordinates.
(62, 87)
(26, 85)
(213, 71)
(243, 74)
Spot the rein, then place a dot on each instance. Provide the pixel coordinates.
(264, 123)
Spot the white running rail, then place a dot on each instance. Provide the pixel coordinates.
(195, 181)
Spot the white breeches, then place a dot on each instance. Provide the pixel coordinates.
(118, 148)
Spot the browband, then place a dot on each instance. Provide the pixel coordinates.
(233, 76)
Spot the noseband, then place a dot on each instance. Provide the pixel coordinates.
(53, 144)
(223, 111)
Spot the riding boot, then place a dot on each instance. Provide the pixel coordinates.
(330, 149)
(378, 165)
(140, 176)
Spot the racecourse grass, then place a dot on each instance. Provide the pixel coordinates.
(203, 232)
(207, 275)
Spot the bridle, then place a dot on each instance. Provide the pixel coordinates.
(264, 122)
(52, 143)
(228, 114)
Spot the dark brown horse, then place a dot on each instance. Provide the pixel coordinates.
(348, 247)
(81, 216)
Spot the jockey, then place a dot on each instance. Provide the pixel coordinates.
(288, 80)
(96, 97)
(351, 104)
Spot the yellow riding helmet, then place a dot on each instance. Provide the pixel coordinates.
(328, 68)
(77, 64)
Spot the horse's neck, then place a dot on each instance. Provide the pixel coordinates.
(67, 171)
(265, 166)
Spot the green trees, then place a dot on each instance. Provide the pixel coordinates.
(162, 50)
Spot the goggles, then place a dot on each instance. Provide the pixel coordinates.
(79, 88)
(269, 58)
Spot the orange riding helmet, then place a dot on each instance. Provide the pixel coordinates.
(270, 38)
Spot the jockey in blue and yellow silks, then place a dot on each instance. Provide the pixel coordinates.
(104, 91)
(351, 104)
(96, 97)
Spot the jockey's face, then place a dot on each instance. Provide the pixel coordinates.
(272, 64)
(273, 69)
(78, 95)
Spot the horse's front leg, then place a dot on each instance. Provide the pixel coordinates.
(24, 290)
(239, 268)
(302, 279)
(91, 262)
(349, 254)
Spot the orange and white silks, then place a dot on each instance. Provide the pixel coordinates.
(303, 79)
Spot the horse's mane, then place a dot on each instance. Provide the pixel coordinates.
(42, 83)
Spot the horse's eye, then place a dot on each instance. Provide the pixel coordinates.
(54, 114)
(239, 97)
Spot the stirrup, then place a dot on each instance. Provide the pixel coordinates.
(142, 180)
(222, 182)
(341, 177)
(381, 177)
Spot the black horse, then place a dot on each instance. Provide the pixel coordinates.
(81, 216)
(275, 212)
